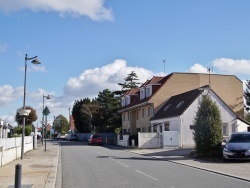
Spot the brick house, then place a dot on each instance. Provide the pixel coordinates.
(139, 105)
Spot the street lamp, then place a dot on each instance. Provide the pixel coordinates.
(47, 97)
(24, 112)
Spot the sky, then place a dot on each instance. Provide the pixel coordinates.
(86, 46)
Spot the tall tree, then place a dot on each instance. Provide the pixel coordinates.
(129, 82)
(79, 113)
(247, 95)
(61, 124)
(109, 106)
(207, 128)
(32, 117)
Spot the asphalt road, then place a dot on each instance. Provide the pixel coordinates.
(87, 166)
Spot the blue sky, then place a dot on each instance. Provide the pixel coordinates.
(86, 46)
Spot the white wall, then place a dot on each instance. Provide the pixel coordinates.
(149, 140)
(10, 148)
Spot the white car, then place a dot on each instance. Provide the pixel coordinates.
(60, 137)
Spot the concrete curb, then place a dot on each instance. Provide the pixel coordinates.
(193, 166)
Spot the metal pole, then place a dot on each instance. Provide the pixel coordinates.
(43, 122)
(24, 99)
(45, 130)
(18, 176)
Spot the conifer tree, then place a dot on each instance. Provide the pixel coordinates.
(207, 128)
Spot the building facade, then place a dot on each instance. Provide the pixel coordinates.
(139, 105)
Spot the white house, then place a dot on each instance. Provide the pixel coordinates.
(177, 115)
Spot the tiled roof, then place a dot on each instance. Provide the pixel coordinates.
(136, 100)
(177, 104)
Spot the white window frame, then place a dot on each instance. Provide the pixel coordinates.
(129, 116)
(142, 93)
(127, 100)
(148, 91)
(143, 112)
(123, 101)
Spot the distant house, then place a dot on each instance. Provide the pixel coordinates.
(139, 105)
(178, 113)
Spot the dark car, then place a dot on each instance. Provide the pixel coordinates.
(238, 146)
(95, 139)
(72, 137)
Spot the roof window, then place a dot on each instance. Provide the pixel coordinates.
(179, 105)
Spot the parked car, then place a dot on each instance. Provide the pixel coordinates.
(95, 139)
(238, 146)
(60, 137)
(72, 137)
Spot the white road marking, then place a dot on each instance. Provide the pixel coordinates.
(146, 175)
(122, 164)
(111, 158)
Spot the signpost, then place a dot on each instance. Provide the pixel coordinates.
(46, 113)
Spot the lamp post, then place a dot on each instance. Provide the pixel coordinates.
(25, 112)
(47, 97)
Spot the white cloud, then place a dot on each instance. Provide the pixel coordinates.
(90, 82)
(94, 9)
(231, 66)
(197, 68)
(8, 94)
(3, 47)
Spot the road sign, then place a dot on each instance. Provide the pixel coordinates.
(46, 111)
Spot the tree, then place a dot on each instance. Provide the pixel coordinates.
(247, 95)
(28, 130)
(130, 82)
(32, 117)
(109, 106)
(81, 115)
(247, 117)
(61, 124)
(207, 128)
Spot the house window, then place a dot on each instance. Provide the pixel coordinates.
(128, 116)
(179, 105)
(167, 107)
(224, 129)
(148, 91)
(142, 93)
(127, 100)
(124, 131)
(149, 129)
(166, 125)
(143, 130)
(143, 112)
(151, 111)
(123, 101)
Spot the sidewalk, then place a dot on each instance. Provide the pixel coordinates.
(236, 169)
(39, 168)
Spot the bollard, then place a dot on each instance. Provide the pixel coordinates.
(18, 176)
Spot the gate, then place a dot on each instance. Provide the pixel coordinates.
(171, 138)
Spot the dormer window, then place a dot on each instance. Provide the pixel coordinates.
(123, 101)
(142, 93)
(127, 100)
(148, 91)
